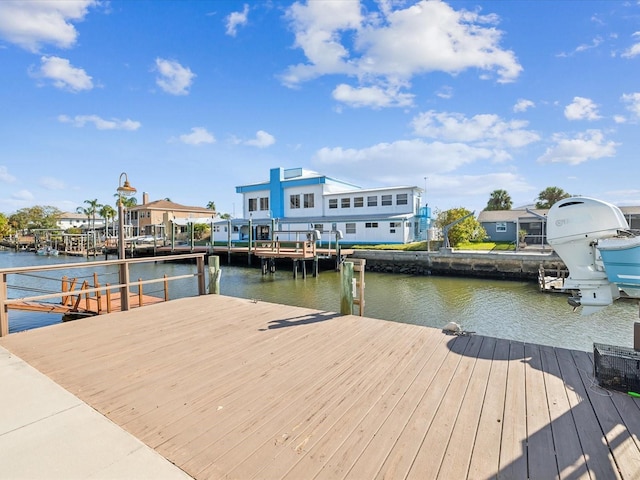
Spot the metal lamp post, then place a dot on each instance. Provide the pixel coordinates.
(124, 190)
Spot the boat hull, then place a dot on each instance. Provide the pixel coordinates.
(621, 260)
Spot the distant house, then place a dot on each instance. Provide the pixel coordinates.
(504, 225)
(158, 217)
(296, 199)
(67, 220)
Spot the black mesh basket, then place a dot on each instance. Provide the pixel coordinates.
(616, 368)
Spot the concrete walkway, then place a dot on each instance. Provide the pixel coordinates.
(48, 433)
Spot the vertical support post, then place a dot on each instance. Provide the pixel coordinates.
(65, 289)
(166, 288)
(96, 284)
(108, 298)
(201, 283)
(214, 275)
(250, 240)
(228, 241)
(124, 266)
(124, 289)
(346, 288)
(636, 336)
(295, 268)
(4, 310)
(140, 292)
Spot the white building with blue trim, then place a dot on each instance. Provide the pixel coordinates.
(295, 200)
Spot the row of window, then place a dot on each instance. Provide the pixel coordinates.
(350, 228)
(307, 200)
(372, 201)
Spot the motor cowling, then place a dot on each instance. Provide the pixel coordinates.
(574, 226)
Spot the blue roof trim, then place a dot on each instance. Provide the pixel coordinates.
(252, 188)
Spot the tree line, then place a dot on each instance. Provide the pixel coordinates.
(46, 216)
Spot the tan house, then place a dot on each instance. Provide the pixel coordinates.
(157, 218)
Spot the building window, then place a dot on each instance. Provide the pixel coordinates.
(333, 203)
(294, 201)
(309, 200)
(387, 200)
(345, 203)
(501, 227)
(358, 202)
(350, 228)
(371, 225)
(264, 203)
(402, 199)
(253, 204)
(372, 201)
(319, 227)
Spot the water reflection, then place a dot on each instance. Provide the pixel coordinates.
(504, 309)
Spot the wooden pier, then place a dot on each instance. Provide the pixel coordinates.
(232, 388)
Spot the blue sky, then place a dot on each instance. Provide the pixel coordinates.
(192, 98)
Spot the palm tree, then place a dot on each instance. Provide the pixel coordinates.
(499, 200)
(211, 205)
(108, 212)
(549, 196)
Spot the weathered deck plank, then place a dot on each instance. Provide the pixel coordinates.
(230, 388)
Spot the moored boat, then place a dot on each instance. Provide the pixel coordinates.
(621, 260)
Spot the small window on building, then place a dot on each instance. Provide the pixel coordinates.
(371, 225)
(264, 203)
(294, 201)
(345, 203)
(253, 204)
(387, 200)
(309, 200)
(236, 229)
(333, 203)
(372, 201)
(402, 199)
(501, 227)
(319, 227)
(350, 228)
(358, 202)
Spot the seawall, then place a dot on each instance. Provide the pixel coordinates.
(497, 265)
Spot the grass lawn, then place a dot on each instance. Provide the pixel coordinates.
(422, 246)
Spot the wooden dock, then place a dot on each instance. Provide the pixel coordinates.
(232, 388)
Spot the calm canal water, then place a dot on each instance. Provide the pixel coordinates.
(505, 309)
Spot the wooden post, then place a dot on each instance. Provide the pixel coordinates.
(65, 289)
(108, 298)
(201, 283)
(214, 275)
(166, 288)
(636, 336)
(4, 311)
(228, 241)
(250, 241)
(139, 292)
(96, 284)
(358, 266)
(295, 268)
(346, 288)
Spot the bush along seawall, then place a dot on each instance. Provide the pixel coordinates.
(495, 265)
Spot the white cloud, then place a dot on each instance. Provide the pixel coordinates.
(51, 183)
(384, 161)
(22, 195)
(394, 45)
(633, 50)
(375, 96)
(522, 105)
(100, 123)
(174, 78)
(262, 140)
(236, 19)
(581, 109)
(64, 75)
(32, 24)
(633, 102)
(588, 145)
(484, 130)
(198, 136)
(5, 176)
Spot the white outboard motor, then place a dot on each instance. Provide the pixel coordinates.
(574, 226)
